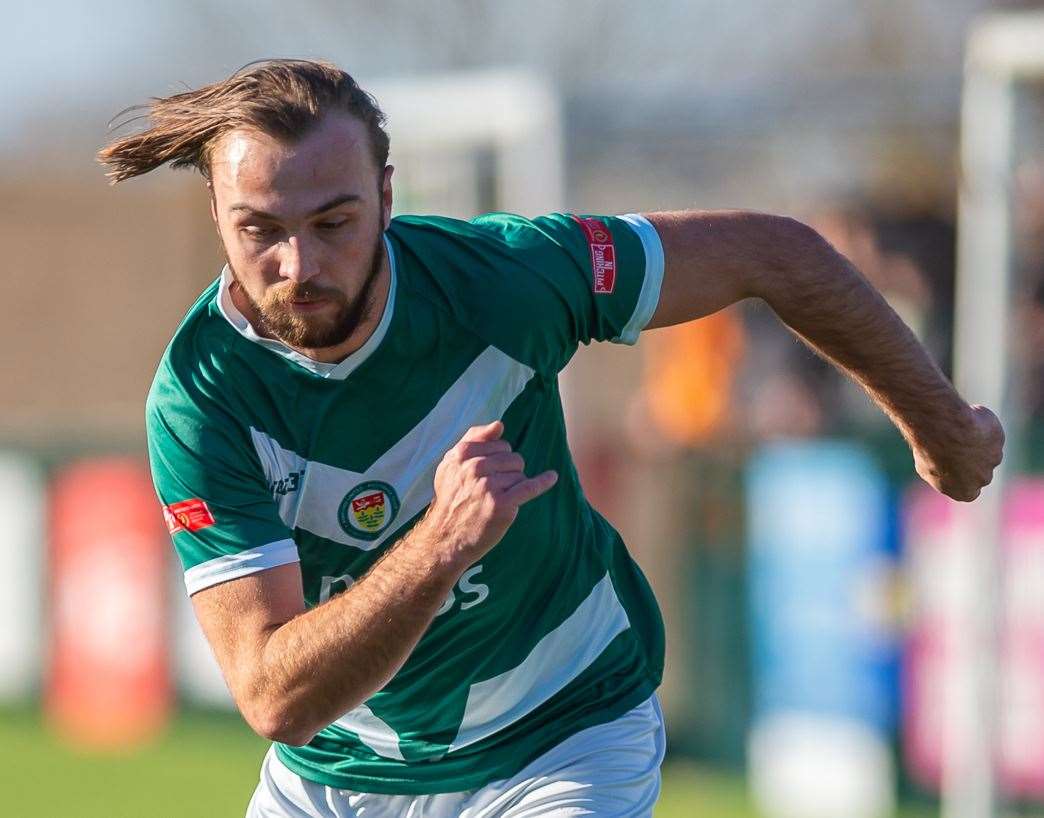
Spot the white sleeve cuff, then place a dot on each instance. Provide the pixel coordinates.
(233, 566)
(649, 297)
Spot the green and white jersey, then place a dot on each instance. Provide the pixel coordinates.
(263, 457)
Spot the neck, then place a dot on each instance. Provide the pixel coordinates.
(361, 334)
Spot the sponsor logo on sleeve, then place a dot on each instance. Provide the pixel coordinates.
(368, 509)
(188, 515)
(603, 253)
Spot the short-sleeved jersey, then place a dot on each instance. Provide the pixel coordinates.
(262, 457)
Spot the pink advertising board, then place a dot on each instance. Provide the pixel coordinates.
(936, 574)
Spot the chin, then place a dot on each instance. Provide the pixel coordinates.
(319, 337)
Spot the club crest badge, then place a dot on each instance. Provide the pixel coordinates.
(368, 509)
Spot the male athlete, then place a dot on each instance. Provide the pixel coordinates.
(357, 438)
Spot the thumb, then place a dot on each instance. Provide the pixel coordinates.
(491, 431)
(526, 490)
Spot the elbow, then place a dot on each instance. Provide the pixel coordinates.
(278, 723)
(790, 249)
(795, 243)
(286, 734)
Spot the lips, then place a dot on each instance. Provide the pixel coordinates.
(308, 304)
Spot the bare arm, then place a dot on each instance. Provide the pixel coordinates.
(716, 258)
(293, 672)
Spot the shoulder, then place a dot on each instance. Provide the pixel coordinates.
(486, 232)
(443, 256)
(190, 373)
(462, 268)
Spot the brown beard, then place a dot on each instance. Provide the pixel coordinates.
(277, 318)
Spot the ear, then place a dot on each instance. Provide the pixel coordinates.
(386, 195)
(213, 202)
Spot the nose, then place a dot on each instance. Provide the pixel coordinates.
(297, 260)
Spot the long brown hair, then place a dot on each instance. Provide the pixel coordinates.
(283, 98)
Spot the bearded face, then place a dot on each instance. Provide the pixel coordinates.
(307, 315)
(302, 225)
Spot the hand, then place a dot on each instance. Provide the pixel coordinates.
(479, 487)
(964, 465)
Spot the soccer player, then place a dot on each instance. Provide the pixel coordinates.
(357, 438)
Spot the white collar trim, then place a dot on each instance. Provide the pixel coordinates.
(337, 371)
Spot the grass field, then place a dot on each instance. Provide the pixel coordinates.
(206, 766)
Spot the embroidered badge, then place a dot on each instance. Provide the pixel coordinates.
(368, 509)
(603, 253)
(188, 515)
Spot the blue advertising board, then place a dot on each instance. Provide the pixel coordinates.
(821, 540)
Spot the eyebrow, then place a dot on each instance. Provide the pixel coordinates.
(344, 198)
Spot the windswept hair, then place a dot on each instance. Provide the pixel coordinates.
(283, 98)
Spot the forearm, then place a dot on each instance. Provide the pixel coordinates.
(322, 663)
(713, 259)
(821, 297)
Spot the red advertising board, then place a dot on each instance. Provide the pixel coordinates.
(108, 682)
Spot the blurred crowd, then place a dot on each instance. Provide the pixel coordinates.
(741, 375)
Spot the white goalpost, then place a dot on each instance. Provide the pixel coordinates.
(1004, 70)
(464, 144)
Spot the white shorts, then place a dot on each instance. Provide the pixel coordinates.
(608, 770)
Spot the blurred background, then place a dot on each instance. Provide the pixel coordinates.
(841, 640)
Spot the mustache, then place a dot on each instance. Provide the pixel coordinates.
(306, 291)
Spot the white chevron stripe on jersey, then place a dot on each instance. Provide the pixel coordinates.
(278, 463)
(481, 394)
(558, 658)
(372, 731)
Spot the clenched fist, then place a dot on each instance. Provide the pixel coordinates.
(479, 486)
(965, 463)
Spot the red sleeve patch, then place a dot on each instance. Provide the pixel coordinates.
(188, 515)
(603, 253)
